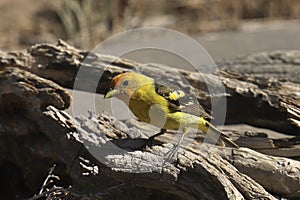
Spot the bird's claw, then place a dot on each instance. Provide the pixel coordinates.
(170, 154)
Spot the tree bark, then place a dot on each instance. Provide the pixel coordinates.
(282, 65)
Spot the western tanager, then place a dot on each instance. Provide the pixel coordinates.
(161, 106)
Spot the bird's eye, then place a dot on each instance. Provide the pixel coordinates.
(125, 83)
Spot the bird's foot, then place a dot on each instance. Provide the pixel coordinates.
(168, 157)
(170, 154)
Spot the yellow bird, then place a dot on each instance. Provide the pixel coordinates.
(161, 106)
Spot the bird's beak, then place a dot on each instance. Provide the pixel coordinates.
(111, 93)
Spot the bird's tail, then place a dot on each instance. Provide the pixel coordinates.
(214, 133)
(228, 141)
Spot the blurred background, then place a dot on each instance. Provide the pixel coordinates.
(224, 27)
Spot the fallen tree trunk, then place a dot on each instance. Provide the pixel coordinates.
(270, 103)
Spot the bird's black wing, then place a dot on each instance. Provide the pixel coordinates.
(179, 101)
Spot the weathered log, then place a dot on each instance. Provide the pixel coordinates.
(264, 142)
(190, 165)
(282, 65)
(23, 98)
(22, 91)
(277, 175)
(270, 103)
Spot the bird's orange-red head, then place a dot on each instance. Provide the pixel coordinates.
(126, 84)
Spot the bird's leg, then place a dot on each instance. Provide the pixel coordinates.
(151, 138)
(162, 131)
(174, 150)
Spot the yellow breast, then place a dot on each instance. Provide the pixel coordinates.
(150, 107)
